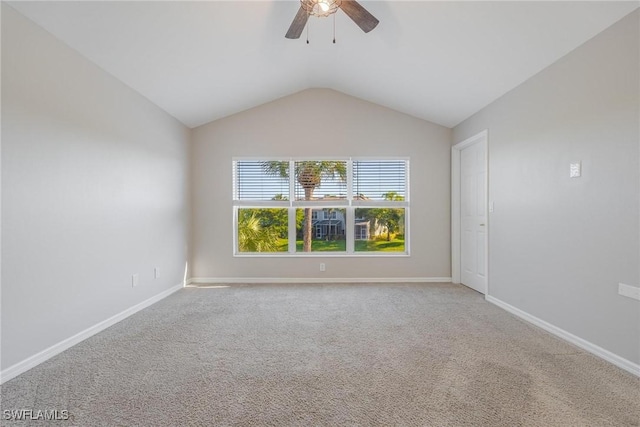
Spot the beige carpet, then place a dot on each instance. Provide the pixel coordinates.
(327, 355)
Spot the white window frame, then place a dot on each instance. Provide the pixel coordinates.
(348, 204)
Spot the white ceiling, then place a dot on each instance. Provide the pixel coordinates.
(439, 61)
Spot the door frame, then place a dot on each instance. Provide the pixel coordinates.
(455, 205)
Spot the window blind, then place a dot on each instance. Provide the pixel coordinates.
(261, 180)
(380, 180)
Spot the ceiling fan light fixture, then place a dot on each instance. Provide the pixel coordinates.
(323, 8)
(320, 8)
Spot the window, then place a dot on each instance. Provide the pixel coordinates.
(331, 207)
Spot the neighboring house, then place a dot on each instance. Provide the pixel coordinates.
(328, 223)
(362, 229)
(331, 224)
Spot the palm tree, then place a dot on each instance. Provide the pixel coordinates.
(252, 236)
(309, 174)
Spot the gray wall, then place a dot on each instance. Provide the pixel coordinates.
(94, 184)
(559, 246)
(320, 122)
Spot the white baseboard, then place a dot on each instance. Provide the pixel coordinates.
(197, 280)
(23, 366)
(610, 357)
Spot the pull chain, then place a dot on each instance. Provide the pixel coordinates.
(334, 28)
(308, 25)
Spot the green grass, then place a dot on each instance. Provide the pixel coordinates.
(395, 245)
(324, 246)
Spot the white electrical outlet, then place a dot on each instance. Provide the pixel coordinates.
(135, 280)
(156, 272)
(323, 267)
(629, 291)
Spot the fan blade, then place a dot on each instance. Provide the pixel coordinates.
(359, 15)
(298, 24)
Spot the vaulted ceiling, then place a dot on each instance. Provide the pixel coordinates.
(439, 61)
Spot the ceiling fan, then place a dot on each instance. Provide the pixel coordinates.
(365, 20)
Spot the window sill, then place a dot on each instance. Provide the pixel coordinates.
(322, 254)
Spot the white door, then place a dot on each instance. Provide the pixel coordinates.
(473, 216)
